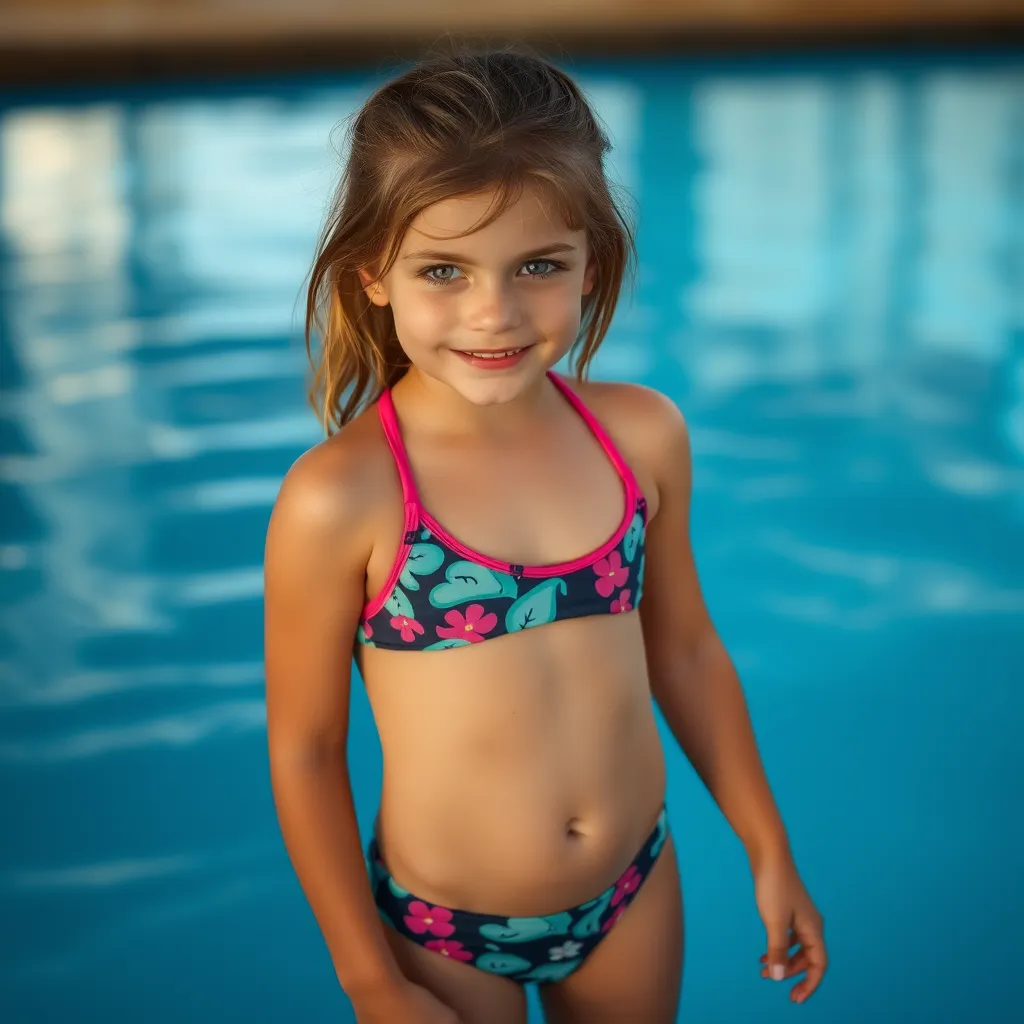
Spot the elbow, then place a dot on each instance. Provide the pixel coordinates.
(305, 755)
(679, 667)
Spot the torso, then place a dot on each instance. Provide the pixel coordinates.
(521, 773)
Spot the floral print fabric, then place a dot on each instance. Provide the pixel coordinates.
(441, 599)
(524, 949)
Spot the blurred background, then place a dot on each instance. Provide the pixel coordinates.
(830, 215)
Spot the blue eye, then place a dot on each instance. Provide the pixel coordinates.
(547, 273)
(428, 273)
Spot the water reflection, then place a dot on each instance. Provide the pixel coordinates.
(82, 686)
(171, 730)
(829, 284)
(100, 876)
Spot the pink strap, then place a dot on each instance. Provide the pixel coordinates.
(632, 487)
(388, 419)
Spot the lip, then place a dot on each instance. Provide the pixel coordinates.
(493, 364)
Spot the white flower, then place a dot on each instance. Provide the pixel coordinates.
(566, 950)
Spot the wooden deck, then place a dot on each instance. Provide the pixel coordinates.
(52, 40)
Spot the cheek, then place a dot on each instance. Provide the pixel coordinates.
(422, 319)
(558, 310)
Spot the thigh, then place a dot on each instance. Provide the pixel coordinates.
(477, 996)
(634, 974)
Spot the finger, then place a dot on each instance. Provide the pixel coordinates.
(778, 948)
(817, 964)
(815, 972)
(793, 941)
(797, 965)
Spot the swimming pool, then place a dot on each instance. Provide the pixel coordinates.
(830, 286)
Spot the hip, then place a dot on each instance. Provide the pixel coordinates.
(523, 850)
(536, 948)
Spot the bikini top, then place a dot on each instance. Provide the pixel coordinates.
(442, 594)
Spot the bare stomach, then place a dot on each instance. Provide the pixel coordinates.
(521, 775)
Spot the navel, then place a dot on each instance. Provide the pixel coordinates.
(572, 828)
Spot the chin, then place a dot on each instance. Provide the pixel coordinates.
(493, 392)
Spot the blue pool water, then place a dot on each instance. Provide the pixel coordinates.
(830, 285)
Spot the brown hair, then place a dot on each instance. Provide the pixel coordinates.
(458, 122)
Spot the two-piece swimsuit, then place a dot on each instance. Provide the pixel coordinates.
(442, 594)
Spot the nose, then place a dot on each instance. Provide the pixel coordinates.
(493, 308)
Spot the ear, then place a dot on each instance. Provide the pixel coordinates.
(589, 276)
(375, 290)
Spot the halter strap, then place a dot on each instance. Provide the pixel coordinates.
(389, 421)
(620, 464)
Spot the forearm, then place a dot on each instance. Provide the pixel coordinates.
(318, 822)
(704, 706)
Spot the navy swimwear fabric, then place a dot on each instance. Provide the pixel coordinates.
(524, 949)
(442, 594)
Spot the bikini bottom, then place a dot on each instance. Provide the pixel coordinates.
(524, 949)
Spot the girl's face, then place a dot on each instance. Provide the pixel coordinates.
(511, 290)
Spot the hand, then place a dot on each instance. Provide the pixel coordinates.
(408, 1003)
(791, 920)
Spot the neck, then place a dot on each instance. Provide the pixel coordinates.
(441, 409)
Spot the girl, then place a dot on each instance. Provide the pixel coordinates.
(505, 551)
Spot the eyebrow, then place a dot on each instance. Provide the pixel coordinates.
(452, 257)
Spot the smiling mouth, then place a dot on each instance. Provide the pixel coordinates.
(503, 354)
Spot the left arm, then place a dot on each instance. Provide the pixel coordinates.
(692, 676)
(698, 691)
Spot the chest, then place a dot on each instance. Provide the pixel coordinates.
(534, 500)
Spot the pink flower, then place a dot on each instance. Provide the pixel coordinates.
(616, 914)
(422, 918)
(470, 626)
(611, 573)
(621, 604)
(408, 627)
(449, 949)
(629, 882)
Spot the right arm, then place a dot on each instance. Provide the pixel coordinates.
(317, 548)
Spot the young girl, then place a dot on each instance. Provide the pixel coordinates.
(505, 551)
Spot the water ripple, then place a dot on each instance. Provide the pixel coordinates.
(98, 876)
(180, 730)
(892, 587)
(79, 687)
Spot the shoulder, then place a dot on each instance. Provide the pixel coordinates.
(628, 402)
(647, 426)
(334, 490)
